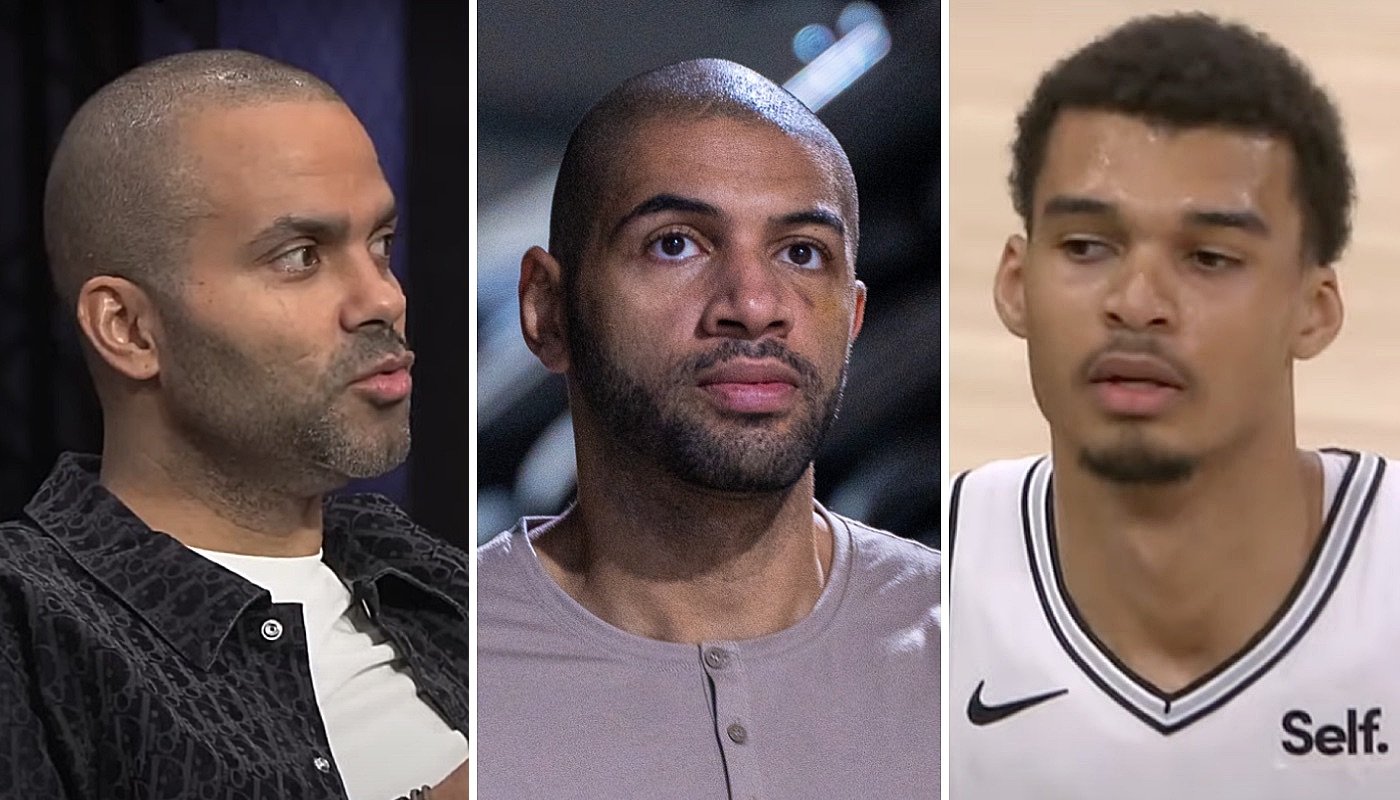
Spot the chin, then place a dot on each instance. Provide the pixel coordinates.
(1137, 463)
(368, 455)
(744, 461)
(743, 479)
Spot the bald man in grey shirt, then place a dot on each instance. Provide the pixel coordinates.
(695, 624)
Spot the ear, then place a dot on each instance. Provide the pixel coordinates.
(1322, 312)
(859, 318)
(542, 313)
(120, 323)
(1009, 290)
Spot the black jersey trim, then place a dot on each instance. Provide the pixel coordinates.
(954, 496)
(1301, 582)
(1345, 491)
(1041, 596)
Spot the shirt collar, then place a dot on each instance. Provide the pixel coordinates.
(369, 539)
(192, 602)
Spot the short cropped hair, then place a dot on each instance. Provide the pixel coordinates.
(1193, 70)
(700, 89)
(120, 194)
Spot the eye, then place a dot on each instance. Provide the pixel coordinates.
(298, 260)
(1211, 261)
(673, 246)
(1085, 251)
(383, 246)
(803, 254)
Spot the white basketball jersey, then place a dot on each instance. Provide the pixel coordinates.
(1309, 710)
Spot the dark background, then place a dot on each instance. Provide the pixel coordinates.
(543, 64)
(402, 65)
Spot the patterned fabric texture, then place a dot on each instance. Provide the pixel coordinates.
(131, 667)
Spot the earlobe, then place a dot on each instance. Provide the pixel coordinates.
(118, 320)
(1009, 288)
(1322, 313)
(542, 317)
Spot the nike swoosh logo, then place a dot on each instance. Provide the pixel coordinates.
(979, 713)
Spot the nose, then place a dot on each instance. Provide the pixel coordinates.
(373, 294)
(1140, 294)
(748, 297)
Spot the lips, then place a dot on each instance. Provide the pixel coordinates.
(387, 365)
(388, 381)
(750, 387)
(1134, 384)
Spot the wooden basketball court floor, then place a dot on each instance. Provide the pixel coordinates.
(1348, 396)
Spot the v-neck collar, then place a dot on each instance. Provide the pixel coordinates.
(1169, 712)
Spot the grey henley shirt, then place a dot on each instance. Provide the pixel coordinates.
(844, 704)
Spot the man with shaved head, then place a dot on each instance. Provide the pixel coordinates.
(695, 624)
(188, 615)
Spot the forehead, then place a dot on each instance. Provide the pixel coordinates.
(282, 157)
(1137, 165)
(741, 167)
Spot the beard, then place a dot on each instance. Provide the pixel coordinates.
(743, 453)
(267, 422)
(1135, 462)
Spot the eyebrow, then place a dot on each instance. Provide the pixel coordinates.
(1247, 221)
(324, 229)
(815, 216)
(1062, 205)
(657, 204)
(670, 202)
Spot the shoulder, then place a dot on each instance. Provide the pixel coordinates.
(505, 565)
(983, 495)
(17, 534)
(39, 579)
(512, 590)
(498, 548)
(379, 526)
(498, 566)
(893, 575)
(993, 487)
(1365, 480)
(28, 553)
(506, 549)
(996, 476)
(880, 550)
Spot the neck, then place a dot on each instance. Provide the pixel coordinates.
(660, 558)
(206, 502)
(1176, 579)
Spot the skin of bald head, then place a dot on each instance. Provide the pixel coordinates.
(120, 194)
(691, 90)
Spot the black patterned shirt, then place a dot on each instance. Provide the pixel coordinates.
(132, 667)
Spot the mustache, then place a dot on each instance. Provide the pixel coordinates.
(731, 349)
(1135, 344)
(367, 349)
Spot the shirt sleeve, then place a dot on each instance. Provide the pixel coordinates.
(26, 766)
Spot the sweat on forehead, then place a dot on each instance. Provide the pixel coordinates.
(700, 89)
(119, 196)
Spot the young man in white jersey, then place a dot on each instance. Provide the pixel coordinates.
(1176, 601)
(189, 616)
